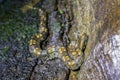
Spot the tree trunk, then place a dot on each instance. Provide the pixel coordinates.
(100, 20)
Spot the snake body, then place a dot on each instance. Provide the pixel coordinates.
(72, 55)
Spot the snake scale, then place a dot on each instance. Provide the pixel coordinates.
(72, 54)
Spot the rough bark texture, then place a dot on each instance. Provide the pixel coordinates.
(101, 20)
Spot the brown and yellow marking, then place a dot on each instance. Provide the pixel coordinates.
(51, 49)
(74, 53)
(37, 51)
(33, 42)
(42, 24)
(62, 49)
(71, 63)
(79, 52)
(43, 18)
(70, 46)
(39, 36)
(43, 29)
(66, 58)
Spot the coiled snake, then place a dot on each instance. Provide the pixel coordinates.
(72, 55)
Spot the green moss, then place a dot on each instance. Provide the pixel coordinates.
(5, 51)
(16, 25)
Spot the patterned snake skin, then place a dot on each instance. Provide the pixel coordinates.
(72, 55)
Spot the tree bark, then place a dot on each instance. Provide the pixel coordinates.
(100, 20)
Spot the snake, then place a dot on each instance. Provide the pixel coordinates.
(72, 54)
